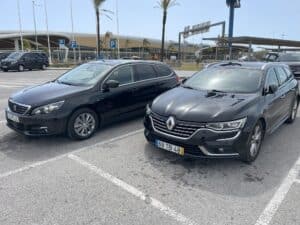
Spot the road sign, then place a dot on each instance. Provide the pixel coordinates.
(113, 43)
(61, 43)
(73, 44)
(196, 29)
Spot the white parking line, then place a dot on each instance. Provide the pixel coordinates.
(272, 207)
(11, 86)
(132, 190)
(40, 163)
(2, 121)
(297, 181)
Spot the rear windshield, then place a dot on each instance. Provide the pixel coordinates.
(234, 80)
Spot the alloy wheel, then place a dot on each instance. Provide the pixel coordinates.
(84, 124)
(256, 139)
(21, 68)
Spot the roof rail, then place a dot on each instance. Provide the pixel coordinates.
(231, 64)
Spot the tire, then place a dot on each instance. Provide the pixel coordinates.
(253, 146)
(86, 121)
(293, 113)
(20, 68)
(5, 70)
(44, 67)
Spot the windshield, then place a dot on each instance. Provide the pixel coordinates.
(289, 57)
(234, 80)
(85, 75)
(15, 55)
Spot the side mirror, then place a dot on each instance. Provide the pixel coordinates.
(272, 89)
(111, 84)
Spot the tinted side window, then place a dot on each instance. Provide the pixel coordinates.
(123, 75)
(144, 72)
(282, 76)
(271, 78)
(288, 72)
(163, 70)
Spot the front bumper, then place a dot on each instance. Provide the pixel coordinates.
(42, 125)
(204, 143)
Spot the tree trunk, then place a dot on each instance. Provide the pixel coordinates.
(162, 52)
(98, 32)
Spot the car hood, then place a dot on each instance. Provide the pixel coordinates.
(199, 106)
(46, 93)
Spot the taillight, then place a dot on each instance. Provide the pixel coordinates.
(177, 78)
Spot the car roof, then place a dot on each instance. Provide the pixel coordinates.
(245, 65)
(117, 62)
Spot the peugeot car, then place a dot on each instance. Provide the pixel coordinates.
(88, 96)
(223, 111)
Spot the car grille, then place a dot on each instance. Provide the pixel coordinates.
(18, 108)
(182, 129)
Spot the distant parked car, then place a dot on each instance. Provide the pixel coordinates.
(291, 59)
(84, 98)
(25, 60)
(223, 111)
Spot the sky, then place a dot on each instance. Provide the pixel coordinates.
(264, 18)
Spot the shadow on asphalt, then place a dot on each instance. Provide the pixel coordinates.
(278, 154)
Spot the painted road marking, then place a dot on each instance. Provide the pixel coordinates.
(40, 163)
(11, 86)
(2, 121)
(297, 181)
(272, 207)
(132, 190)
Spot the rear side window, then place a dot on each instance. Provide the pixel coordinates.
(145, 72)
(282, 76)
(272, 78)
(124, 75)
(162, 70)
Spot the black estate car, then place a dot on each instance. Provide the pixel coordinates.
(291, 59)
(88, 96)
(224, 110)
(25, 60)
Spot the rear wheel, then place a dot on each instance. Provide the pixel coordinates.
(254, 144)
(5, 70)
(293, 113)
(82, 124)
(20, 68)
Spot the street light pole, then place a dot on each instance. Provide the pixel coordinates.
(118, 33)
(232, 5)
(20, 25)
(48, 36)
(72, 23)
(34, 21)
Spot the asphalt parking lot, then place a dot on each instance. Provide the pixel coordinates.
(117, 178)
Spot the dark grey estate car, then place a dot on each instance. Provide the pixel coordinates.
(224, 110)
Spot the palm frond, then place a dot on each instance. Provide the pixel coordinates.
(98, 3)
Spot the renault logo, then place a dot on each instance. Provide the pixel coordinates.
(170, 123)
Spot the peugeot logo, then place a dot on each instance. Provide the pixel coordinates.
(171, 123)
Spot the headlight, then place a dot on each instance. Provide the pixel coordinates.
(148, 110)
(231, 125)
(48, 108)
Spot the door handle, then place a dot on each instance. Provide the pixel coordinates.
(283, 96)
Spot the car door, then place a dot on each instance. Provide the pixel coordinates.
(273, 100)
(284, 91)
(146, 89)
(117, 101)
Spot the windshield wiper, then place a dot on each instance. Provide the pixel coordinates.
(216, 91)
(62, 82)
(188, 87)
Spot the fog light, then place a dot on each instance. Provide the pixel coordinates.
(221, 149)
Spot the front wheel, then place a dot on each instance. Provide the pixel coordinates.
(82, 124)
(253, 146)
(44, 67)
(20, 68)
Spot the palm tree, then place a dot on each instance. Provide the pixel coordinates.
(97, 4)
(164, 5)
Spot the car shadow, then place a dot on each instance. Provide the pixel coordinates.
(32, 149)
(278, 154)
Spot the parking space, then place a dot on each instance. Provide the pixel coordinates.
(118, 178)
